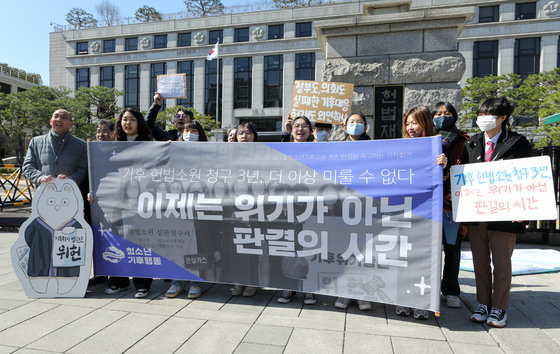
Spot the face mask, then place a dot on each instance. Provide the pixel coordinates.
(190, 137)
(443, 122)
(322, 135)
(355, 129)
(486, 123)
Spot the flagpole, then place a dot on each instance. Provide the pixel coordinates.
(217, 86)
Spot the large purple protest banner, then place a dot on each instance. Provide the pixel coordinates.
(353, 219)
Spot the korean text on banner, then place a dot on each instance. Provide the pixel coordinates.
(359, 220)
(507, 190)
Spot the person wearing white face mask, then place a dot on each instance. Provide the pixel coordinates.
(193, 131)
(322, 132)
(495, 239)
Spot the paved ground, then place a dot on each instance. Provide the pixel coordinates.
(220, 323)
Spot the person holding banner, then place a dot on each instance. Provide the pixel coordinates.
(418, 123)
(444, 118)
(245, 133)
(355, 127)
(492, 243)
(300, 129)
(131, 126)
(192, 132)
(356, 119)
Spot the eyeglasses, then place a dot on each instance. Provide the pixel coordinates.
(301, 126)
(245, 132)
(180, 116)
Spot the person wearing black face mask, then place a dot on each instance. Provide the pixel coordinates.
(453, 140)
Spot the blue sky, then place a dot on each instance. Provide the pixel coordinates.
(26, 25)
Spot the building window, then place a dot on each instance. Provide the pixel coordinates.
(131, 43)
(273, 81)
(82, 78)
(107, 77)
(184, 40)
(276, 32)
(155, 70)
(527, 56)
(131, 85)
(186, 67)
(264, 124)
(558, 54)
(81, 48)
(213, 36)
(525, 10)
(160, 41)
(304, 29)
(109, 46)
(488, 14)
(241, 35)
(305, 66)
(5, 88)
(210, 89)
(242, 82)
(485, 58)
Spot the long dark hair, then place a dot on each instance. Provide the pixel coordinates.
(364, 136)
(144, 132)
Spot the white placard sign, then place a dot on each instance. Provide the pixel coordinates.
(172, 86)
(506, 190)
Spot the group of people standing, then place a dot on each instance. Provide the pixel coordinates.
(60, 155)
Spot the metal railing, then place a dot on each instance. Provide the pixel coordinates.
(15, 189)
(230, 10)
(20, 74)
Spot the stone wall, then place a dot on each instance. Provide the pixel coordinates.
(417, 48)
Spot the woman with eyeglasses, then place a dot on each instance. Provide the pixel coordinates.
(300, 133)
(245, 133)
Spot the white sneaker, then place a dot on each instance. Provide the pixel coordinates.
(364, 305)
(309, 299)
(453, 301)
(250, 291)
(342, 303)
(481, 314)
(497, 318)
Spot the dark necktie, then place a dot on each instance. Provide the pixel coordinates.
(489, 152)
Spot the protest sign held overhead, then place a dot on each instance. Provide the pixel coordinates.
(322, 102)
(172, 86)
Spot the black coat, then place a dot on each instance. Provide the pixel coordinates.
(510, 145)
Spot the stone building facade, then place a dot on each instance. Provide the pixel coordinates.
(428, 47)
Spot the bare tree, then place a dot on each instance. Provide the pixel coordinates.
(204, 7)
(109, 13)
(147, 14)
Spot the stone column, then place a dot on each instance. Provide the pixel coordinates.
(94, 76)
(144, 96)
(288, 84)
(171, 69)
(466, 48)
(226, 105)
(506, 55)
(549, 52)
(257, 91)
(198, 85)
(119, 83)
